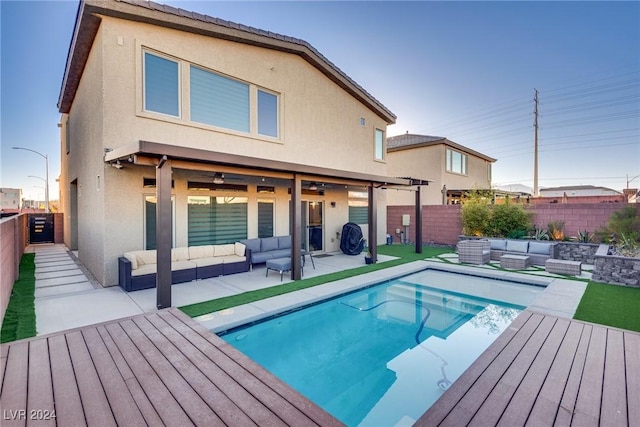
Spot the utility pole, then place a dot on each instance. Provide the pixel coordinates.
(535, 143)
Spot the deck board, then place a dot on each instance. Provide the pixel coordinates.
(155, 369)
(547, 371)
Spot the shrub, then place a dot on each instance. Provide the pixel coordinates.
(625, 222)
(509, 220)
(481, 218)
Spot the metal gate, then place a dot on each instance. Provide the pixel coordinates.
(41, 228)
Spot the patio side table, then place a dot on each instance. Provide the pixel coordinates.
(515, 262)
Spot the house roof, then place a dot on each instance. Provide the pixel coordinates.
(88, 21)
(410, 141)
(582, 188)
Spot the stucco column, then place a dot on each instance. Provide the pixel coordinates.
(296, 225)
(163, 233)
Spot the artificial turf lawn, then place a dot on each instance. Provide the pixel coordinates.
(405, 254)
(20, 318)
(610, 305)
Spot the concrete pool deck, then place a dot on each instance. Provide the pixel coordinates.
(68, 297)
(560, 297)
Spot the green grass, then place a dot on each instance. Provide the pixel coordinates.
(405, 254)
(610, 305)
(20, 318)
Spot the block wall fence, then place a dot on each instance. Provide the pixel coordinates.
(442, 224)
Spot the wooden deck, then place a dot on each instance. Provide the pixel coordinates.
(547, 371)
(155, 369)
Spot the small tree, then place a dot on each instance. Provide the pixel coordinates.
(476, 213)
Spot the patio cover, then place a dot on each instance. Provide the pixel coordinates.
(165, 157)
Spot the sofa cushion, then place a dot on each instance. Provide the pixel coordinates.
(224, 250)
(207, 261)
(133, 259)
(284, 242)
(541, 248)
(180, 254)
(252, 244)
(498, 244)
(259, 257)
(517, 245)
(182, 265)
(239, 249)
(269, 244)
(204, 251)
(230, 259)
(144, 269)
(281, 253)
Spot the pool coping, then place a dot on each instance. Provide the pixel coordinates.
(560, 296)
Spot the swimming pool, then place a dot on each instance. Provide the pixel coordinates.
(382, 355)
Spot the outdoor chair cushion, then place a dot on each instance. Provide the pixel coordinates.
(498, 244)
(203, 251)
(541, 248)
(269, 244)
(284, 242)
(517, 245)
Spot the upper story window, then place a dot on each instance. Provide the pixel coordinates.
(456, 161)
(219, 101)
(161, 87)
(379, 145)
(267, 114)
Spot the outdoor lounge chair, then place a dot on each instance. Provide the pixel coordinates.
(474, 251)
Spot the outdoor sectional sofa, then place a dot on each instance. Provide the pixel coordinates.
(137, 269)
(538, 251)
(266, 248)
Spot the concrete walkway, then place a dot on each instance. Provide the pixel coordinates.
(68, 297)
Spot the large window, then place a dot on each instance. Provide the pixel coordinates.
(358, 207)
(379, 143)
(216, 220)
(219, 101)
(265, 217)
(161, 88)
(267, 114)
(456, 161)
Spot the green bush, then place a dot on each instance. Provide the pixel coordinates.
(481, 218)
(509, 220)
(625, 222)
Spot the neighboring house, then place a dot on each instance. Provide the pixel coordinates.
(579, 194)
(10, 199)
(215, 130)
(450, 168)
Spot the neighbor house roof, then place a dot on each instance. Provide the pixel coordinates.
(410, 141)
(88, 22)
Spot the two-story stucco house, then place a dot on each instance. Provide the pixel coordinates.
(214, 130)
(451, 168)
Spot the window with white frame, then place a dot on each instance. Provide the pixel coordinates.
(161, 85)
(379, 144)
(218, 100)
(456, 161)
(267, 113)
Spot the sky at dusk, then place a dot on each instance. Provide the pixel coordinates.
(462, 70)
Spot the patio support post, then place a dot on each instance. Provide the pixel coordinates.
(163, 233)
(418, 220)
(296, 227)
(373, 223)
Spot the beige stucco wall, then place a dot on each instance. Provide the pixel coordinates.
(320, 126)
(429, 163)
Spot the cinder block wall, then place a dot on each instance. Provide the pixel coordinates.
(442, 224)
(13, 238)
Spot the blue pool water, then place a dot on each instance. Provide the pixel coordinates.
(382, 355)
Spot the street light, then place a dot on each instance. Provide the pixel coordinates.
(46, 188)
